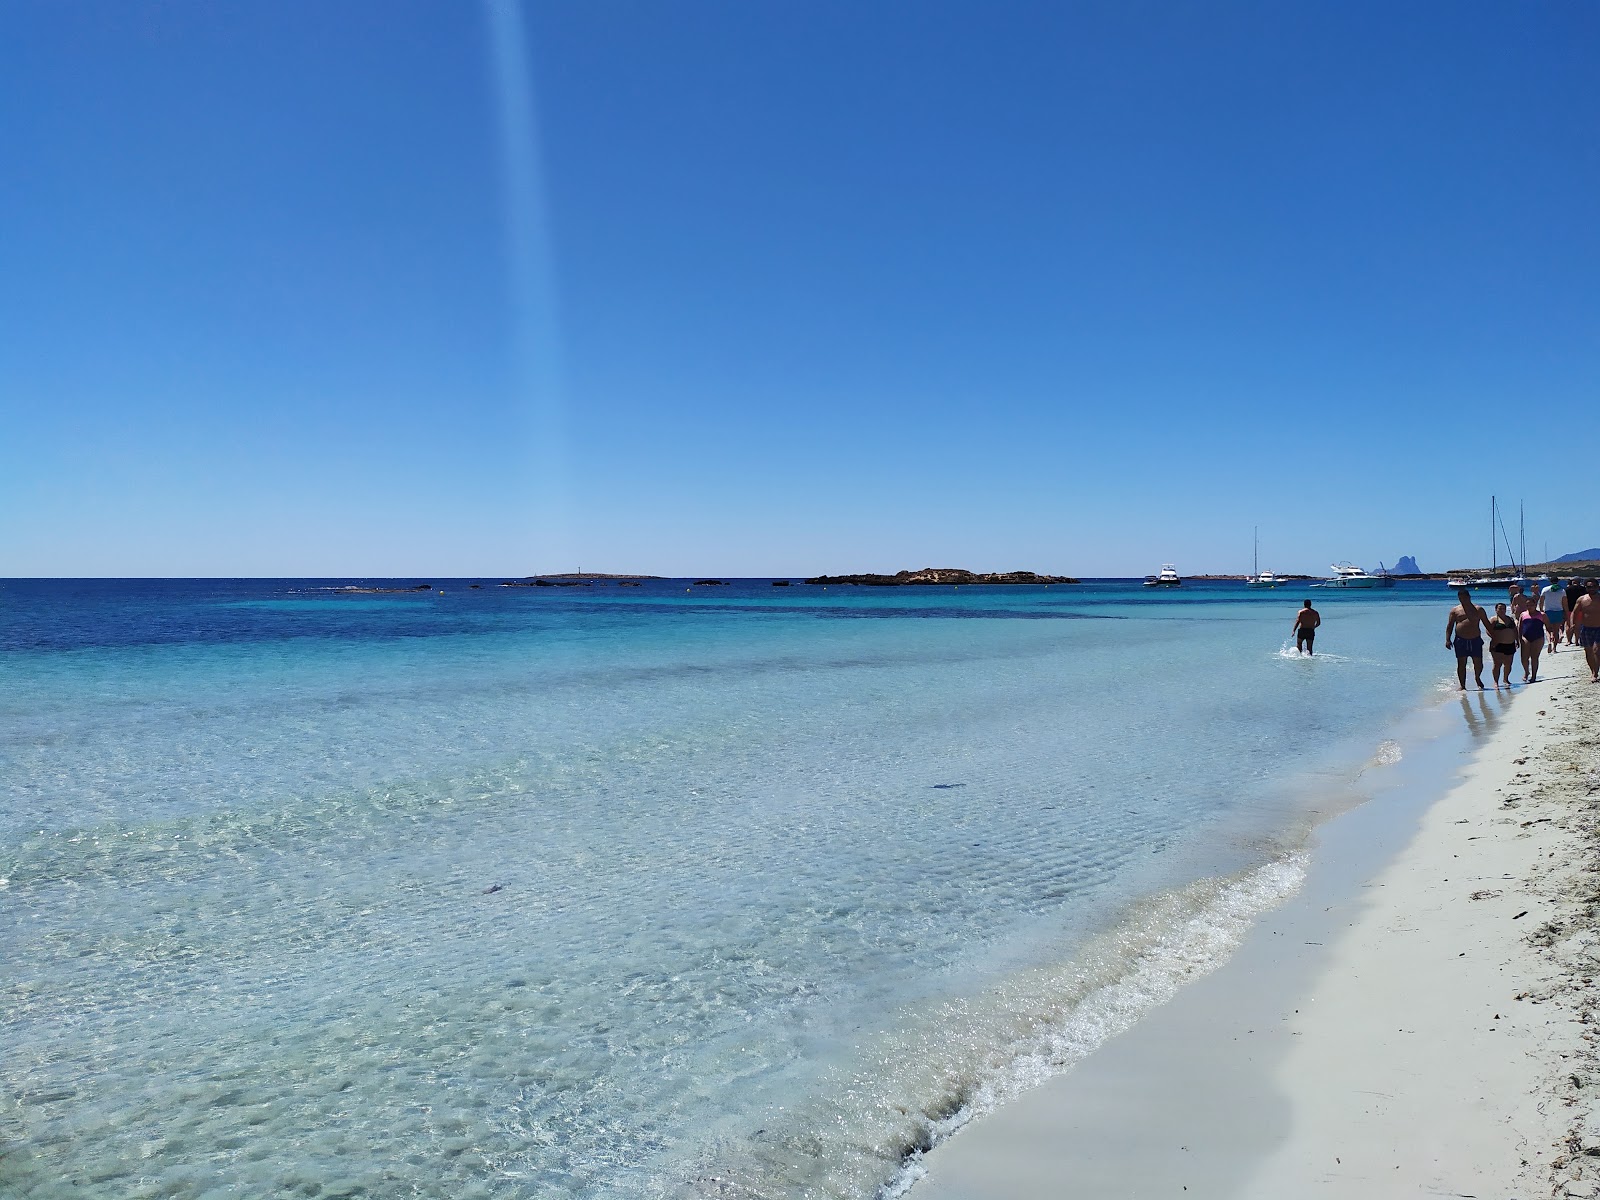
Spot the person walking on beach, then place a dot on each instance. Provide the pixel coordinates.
(1532, 622)
(1586, 617)
(1305, 629)
(1574, 590)
(1502, 645)
(1554, 602)
(1463, 630)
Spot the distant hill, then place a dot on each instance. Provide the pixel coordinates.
(1580, 556)
(1406, 566)
(938, 575)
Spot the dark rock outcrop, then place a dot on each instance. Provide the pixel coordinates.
(573, 579)
(944, 575)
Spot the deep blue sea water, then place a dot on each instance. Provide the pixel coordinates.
(739, 891)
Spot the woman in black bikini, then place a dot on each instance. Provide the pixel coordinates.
(1532, 623)
(1502, 644)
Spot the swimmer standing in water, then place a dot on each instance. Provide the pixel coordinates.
(1305, 630)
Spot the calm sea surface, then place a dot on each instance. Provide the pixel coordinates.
(661, 891)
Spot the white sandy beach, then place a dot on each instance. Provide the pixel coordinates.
(1418, 1021)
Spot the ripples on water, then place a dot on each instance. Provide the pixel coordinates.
(627, 893)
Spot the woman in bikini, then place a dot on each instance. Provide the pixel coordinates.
(1532, 628)
(1502, 644)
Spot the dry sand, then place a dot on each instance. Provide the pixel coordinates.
(1420, 1021)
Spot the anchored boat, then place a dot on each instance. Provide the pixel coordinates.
(1259, 578)
(1496, 578)
(1348, 575)
(1167, 578)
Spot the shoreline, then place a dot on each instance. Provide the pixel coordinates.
(1394, 1028)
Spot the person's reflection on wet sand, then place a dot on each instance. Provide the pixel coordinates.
(1480, 720)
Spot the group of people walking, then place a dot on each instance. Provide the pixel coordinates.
(1522, 626)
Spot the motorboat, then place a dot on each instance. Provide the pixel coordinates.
(1348, 575)
(1167, 578)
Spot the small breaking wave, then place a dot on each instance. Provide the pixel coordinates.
(1287, 650)
(1204, 924)
(918, 1086)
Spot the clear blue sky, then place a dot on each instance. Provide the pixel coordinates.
(759, 288)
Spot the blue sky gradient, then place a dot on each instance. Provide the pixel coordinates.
(775, 288)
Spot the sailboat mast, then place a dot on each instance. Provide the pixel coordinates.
(1255, 554)
(1494, 549)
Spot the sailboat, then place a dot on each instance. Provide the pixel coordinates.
(1258, 577)
(1494, 579)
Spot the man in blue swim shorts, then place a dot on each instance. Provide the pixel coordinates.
(1463, 631)
(1587, 618)
(1553, 600)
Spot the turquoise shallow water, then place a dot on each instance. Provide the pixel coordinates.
(622, 892)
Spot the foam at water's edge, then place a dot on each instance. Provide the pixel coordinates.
(1288, 650)
(1208, 922)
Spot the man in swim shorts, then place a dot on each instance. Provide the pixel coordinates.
(1463, 631)
(1587, 619)
(1305, 629)
(1553, 599)
(1574, 590)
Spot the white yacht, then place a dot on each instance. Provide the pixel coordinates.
(1167, 578)
(1348, 575)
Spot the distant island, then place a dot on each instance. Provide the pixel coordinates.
(943, 575)
(1565, 567)
(577, 579)
(379, 591)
